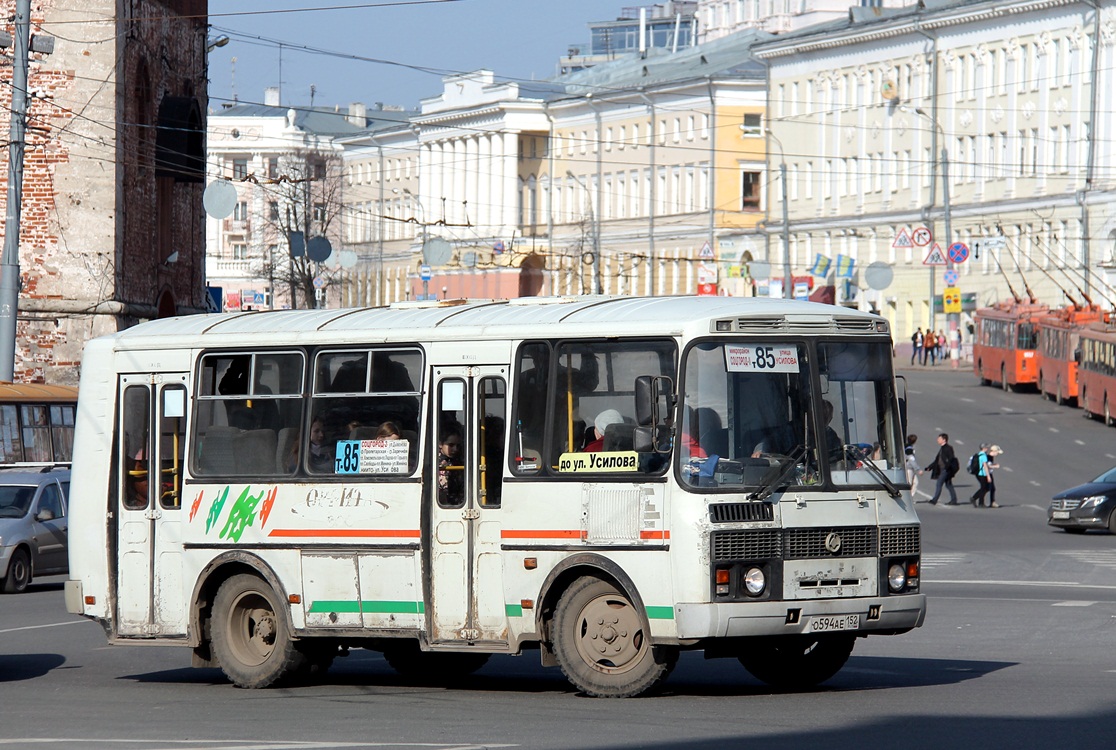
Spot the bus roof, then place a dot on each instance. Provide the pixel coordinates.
(527, 317)
(37, 392)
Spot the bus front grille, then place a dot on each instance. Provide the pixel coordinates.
(900, 540)
(844, 541)
(760, 544)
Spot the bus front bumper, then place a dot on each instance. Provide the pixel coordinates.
(863, 616)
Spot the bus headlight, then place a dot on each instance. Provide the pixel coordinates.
(754, 581)
(896, 578)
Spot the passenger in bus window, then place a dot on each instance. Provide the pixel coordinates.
(604, 420)
(318, 457)
(451, 470)
(138, 480)
(388, 431)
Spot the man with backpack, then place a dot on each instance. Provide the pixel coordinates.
(942, 469)
(981, 466)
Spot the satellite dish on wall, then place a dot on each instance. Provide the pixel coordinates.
(219, 199)
(889, 91)
(878, 275)
(319, 249)
(436, 251)
(469, 259)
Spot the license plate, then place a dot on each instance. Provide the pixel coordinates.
(1061, 515)
(844, 622)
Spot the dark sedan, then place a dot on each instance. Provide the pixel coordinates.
(1087, 506)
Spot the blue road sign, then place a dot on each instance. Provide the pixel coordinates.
(958, 252)
(425, 273)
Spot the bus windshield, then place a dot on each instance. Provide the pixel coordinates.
(753, 416)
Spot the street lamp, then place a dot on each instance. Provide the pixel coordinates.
(594, 229)
(788, 280)
(953, 319)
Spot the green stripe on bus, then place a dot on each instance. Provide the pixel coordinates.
(371, 607)
(660, 613)
(513, 610)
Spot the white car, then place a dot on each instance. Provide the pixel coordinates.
(32, 524)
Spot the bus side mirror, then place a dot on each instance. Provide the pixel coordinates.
(654, 404)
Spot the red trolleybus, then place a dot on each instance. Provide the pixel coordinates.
(1058, 335)
(1096, 375)
(36, 423)
(1004, 343)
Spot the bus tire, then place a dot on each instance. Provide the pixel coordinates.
(797, 662)
(1107, 413)
(980, 373)
(1004, 381)
(603, 643)
(427, 667)
(19, 572)
(251, 639)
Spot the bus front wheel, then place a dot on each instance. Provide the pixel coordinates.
(251, 639)
(797, 662)
(603, 644)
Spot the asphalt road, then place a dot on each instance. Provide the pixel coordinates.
(1017, 651)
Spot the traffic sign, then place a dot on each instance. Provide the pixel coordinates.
(902, 240)
(951, 277)
(958, 252)
(935, 257)
(706, 252)
(319, 282)
(922, 236)
(425, 273)
(951, 300)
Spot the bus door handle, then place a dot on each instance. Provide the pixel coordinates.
(154, 513)
(470, 514)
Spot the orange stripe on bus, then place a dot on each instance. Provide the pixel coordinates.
(541, 534)
(654, 535)
(346, 532)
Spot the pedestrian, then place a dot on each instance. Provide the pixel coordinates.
(941, 345)
(929, 347)
(993, 453)
(942, 469)
(983, 474)
(911, 463)
(916, 345)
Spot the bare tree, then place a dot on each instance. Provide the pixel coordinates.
(303, 204)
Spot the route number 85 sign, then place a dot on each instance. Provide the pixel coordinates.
(761, 358)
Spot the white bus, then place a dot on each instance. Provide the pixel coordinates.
(608, 480)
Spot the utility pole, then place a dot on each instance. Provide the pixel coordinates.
(9, 262)
(788, 280)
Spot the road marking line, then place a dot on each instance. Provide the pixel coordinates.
(36, 627)
(1073, 584)
(1072, 604)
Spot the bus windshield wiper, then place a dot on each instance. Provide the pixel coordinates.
(853, 452)
(779, 473)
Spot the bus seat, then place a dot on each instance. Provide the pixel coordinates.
(215, 450)
(283, 448)
(619, 437)
(255, 452)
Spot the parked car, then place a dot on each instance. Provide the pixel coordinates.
(32, 524)
(1087, 506)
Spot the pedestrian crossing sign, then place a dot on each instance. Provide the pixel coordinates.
(935, 257)
(706, 252)
(902, 240)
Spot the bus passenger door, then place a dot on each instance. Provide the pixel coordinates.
(466, 468)
(150, 450)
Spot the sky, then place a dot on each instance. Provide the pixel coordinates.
(390, 51)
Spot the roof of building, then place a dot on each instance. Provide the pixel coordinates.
(323, 120)
(728, 56)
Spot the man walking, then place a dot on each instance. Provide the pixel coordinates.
(942, 469)
(916, 346)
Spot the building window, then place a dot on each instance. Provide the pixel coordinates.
(240, 211)
(753, 125)
(750, 191)
(240, 169)
(273, 168)
(239, 251)
(273, 210)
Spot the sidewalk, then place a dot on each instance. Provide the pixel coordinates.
(903, 359)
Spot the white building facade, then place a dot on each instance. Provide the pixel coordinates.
(1019, 96)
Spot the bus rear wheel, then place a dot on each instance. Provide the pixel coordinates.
(251, 639)
(603, 644)
(797, 662)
